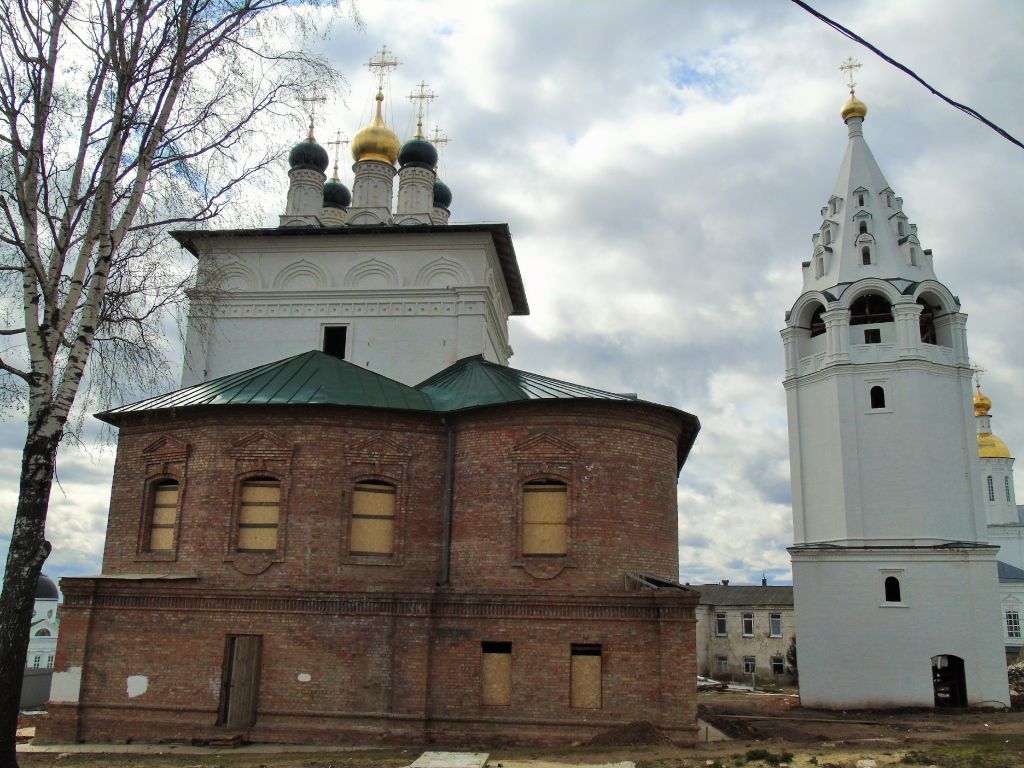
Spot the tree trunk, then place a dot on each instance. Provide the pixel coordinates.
(28, 551)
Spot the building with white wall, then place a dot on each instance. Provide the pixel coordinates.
(895, 584)
(42, 642)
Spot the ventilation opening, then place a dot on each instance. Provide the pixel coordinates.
(878, 401)
(892, 589)
(334, 340)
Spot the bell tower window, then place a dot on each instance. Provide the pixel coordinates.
(870, 309)
(877, 399)
(927, 322)
(865, 255)
(817, 324)
(335, 337)
(862, 228)
(892, 589)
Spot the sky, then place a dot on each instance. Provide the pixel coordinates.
(662, 166)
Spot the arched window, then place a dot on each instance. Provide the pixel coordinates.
(817, 324)
(373, 518)
(545, 517)
(877, 397)
(163, 514)
(865, 255)
(927, 322)
(892, 589)
(869, 309)
(991, 488)
(901, 227)
(826, 236)
(860, 199)
(258, 514)
(819, 266)
(862, 228)
(43, 632)
(888, 199)
(913, 256)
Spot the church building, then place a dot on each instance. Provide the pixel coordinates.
(356, 523)
(895, 581)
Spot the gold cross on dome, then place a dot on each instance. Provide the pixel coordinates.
(337, 144)
(850, 66)
(978, 370)
(383, 65)
(311, 102)
(437, 138)
(423, 96)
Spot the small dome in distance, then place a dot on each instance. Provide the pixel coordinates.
(982, 404)
(308, 155)
(336, 194)
(442, 195)
(46, 588)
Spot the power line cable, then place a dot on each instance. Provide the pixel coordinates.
(858, 39)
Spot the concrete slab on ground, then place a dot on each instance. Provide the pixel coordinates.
(548, 764)
(707, 732)
(451, 760)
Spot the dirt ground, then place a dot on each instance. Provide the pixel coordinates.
(764, 730)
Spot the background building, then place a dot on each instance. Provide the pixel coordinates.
(744, 632)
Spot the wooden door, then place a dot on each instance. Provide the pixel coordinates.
(241, 681)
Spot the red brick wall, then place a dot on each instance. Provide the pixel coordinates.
(390, 656)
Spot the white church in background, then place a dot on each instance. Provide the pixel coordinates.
(895, 584)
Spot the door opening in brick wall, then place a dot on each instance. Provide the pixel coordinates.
(241, 681)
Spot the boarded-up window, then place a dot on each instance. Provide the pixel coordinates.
(586, 676)
(258, 514)
(163, 514)
(545, 514)
(496, 673)
(373, 518)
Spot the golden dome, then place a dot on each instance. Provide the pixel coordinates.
(854, 108)
(991, 447)
(376, 141)
(982, 405)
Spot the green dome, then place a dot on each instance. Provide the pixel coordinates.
(442, 195)
(418, 153)
(336, 195)
(308, 155)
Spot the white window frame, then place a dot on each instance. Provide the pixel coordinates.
(721, 624)
(1012, 616)
(773, 619)
(778, 665)
(749, 665)
(748, 616)
(721, 664)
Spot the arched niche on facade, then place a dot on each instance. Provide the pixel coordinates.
(937, 308)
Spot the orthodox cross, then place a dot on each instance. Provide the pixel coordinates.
(383, 65)
(850, 66)
(311, 102)
(337, 144)
(978, 370)
(437, 138)
(423, 96)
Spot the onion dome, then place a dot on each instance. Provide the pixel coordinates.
(854, 108)
(442, 195)
(336, 194)
(982, 404)
(46, 589)
(417, 152)
(308, 155)
(376, 141)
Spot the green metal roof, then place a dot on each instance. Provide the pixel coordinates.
(316, 378)
(312, 378)
(473, 382)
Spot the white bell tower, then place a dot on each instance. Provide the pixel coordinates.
(894, 582)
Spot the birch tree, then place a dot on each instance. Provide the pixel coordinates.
(118, 119)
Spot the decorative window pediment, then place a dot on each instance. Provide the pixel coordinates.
(378, 446)
(545, 446)
(861, 215)
(261, 445)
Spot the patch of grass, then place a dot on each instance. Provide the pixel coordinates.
(913, 757)
(767, 756)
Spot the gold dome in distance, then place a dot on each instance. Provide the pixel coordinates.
(989, 446)
(854, 107)
(376, 141)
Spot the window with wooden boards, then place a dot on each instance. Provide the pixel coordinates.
(163, 514)
(545, 517)
(372, 529)
(259, 514)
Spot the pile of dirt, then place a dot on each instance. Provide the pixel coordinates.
(636, 734)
